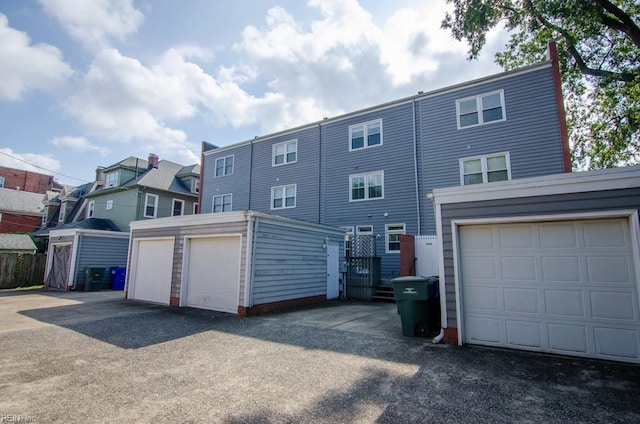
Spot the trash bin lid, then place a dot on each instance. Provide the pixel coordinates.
(410, 279)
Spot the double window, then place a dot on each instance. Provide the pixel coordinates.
(392, 233)
(365, 135)
(366, 186)
(480, 110)
(283, 197)
(177, 208)
(222, 203)
(224, 166)
(485, 169)
(284, 153)
(151, 205)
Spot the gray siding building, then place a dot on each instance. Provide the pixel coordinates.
(370, 171)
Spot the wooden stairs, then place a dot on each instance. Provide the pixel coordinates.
(383, 293)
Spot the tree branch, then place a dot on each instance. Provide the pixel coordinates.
(624, 23)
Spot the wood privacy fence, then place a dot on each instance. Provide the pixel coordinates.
(19, 270)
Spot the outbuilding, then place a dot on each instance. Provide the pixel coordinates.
(238, 262)
(546, 264)
(72, 251)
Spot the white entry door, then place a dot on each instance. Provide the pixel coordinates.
(566, 287)
(153, 268)
(213, 273)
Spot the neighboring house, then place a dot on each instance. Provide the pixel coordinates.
(64, 207)
(547, 264)
(370, 171)
(20, 211)
(17, 243)
(17, 179)
(136, 189)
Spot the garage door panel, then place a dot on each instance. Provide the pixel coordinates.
(521, 300)
(574, 291)
(153, 271)
(566, 337)
(523, 333)
(568, 303)
(480, 238)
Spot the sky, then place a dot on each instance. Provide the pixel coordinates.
(87, 83)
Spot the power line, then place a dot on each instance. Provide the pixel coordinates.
(43, 168)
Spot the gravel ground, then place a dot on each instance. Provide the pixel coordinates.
(94, 357)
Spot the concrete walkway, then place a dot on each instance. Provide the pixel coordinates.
(96, 358)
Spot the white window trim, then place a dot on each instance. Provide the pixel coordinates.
(195, 208)
(109, 205)
(361, 232)
(387, 233)
(213, 202)
(366, 134)
(224, 167)
(284, 191)
(1, 182)
(62, 214)
(146, 204)
(366, 186)
(45, 215)
(479, 109)
(91, 208)
(107, 184)
(349, 232)
(196, 184)
(483, 159)
(173, 204)
(284, 143)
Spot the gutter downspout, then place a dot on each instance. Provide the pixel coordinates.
(248, 275)
(253, 259)
(415, 165)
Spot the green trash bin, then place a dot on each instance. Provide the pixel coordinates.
(93, 278)
(412, 296)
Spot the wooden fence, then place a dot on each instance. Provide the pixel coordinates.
(19, 270)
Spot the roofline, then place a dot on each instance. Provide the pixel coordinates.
(387, 105)
(576, 182)
(74, 231)
(120, 189)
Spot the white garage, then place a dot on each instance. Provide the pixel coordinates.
(237, 262)
(151, 270)
(546, 264)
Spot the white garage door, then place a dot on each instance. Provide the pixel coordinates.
(153, 269)
(564, 287)
(213, 273)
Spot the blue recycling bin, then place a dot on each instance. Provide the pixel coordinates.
(118, 277)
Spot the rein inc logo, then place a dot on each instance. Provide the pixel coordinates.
(16, 418)
(409, 290)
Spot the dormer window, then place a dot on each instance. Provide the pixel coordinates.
(111, 180)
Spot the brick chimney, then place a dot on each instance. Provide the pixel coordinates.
(153, 160)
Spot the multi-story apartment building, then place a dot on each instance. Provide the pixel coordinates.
(371, 171)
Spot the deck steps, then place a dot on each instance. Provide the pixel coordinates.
(383, 293)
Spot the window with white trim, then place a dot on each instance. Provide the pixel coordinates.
(365, 135)
(224, 166)
(45, 215)
(1, 182)
(485, 169)
(366, 186)
(196, 185)
(177, 207)
(111, 179)
(348, 240)
(150, 205)
(283, 197)
(62, 214)
(91, 207)
(284, 153)
(480, 110)
(195, 208)
(109, 205)
(222, 203)
(392, 233)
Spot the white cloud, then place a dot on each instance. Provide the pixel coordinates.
(78, 144)
(95, 22)
(36, 162)
(27, 66)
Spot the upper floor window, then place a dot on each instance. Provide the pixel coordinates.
(91, 207)
(45, 215)
(62, 215)
(177, 207)
(222, 203)
(224, 166)
(151, 205)
(111, 179)
(109, 205)
(485, 169)
(283, 197)
(196, 185)
(284, 153)
(481, 109)
(392, 233)
(1, 182)
(195, 208)
(365, 135)
(366, 186)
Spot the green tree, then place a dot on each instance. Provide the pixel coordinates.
(598, 45)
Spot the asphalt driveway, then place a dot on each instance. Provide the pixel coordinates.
(94, 357)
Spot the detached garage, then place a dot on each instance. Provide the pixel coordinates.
(547, 264)
(237, 262)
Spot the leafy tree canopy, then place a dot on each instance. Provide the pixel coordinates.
(598, 45)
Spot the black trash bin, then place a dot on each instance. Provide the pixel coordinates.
(413, 296)
(94, 277)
